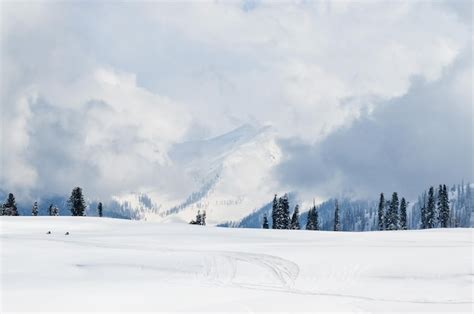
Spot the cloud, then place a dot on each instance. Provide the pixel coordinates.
(96, 94)
(407, 144)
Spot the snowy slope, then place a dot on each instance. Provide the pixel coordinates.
(120, 265)
(229, 176)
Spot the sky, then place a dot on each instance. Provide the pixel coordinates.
(363, 96)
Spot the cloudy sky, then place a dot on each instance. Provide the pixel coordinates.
(363, 97)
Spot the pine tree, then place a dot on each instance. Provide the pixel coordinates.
(310, 220)
(50, 210)
(430, 209)
(265, 222)
(443, 206)
(295, 219)
(76, 202)
(9, 208)
(55, 211)
(469, 202)
(315, 218)
(198, 218)
(275, 213)
(392, 213)
(380, 212)
(337, 225)
(403, 214)
(284, 212)
(34, 209)
(423, 213)
(99, 209)
(203, 218)
(386, 219)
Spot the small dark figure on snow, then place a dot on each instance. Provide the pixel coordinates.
(49, 232)
(67, 233)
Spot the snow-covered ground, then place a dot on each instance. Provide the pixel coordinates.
(118, 265)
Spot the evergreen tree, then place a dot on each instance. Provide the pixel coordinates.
(424, 224)
(265, 222)
(9, 208)
(430, 209)
(295, 219)
(443, 206)
(275, 213)
(34, 209)
(386, 219)
(380, 212)
(55, 211)
(469, 206)
(315, 218)
(76, 202)
(310, 220)
(50, 210)
(285, 212)
(99, 209)
(337, 225)
(392, 213)
(199, 218)
(403, 214)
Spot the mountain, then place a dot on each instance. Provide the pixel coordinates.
(229, 175)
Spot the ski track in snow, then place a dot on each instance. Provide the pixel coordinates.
(222, 269)
(242, 270)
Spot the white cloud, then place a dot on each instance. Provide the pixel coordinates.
(143, 76)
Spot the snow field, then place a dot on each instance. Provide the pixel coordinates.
(119, 265)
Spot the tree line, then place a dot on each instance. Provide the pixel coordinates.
(76, 204)
(391, 214)
(281, 218)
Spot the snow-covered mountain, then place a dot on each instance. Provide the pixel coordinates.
(229, 176)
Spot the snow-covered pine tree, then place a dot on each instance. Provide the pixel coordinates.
(380, 212)
(285, 212)
(76, 202)
(34, 209)
(295, 219)
(403, 214)
(392, 213)
(423, 215)
(430, 209)
(9, 208)
(99, 209)
(315, 218)
(199, 218)
(386, 219)
(337, 225)
(443, 206)
(265, 222)
(275, 213)
(203, 218)
(469, 204)
(55, 211)
(310, 220)
(50, 210)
